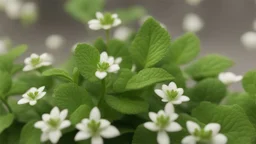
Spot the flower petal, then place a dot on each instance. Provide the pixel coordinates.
(180, 91)
(81, 135)
(173, 127)
(65, 124)
(33, 55)
(63, 114)
(111, 60)
(95, 114)
(44, 137)
(27, 61)
(160, 93)
(103, 57)
(163, 138)
(114, 16)
(55, 112)
(192, 126)
(41, 95)
(97, 140)
(214, 127)
(32, 102)
(172, 86)
(113, 68)
(54, 136)
(41, 89)
(184, 98)
(110, 132)
(169, 108)
(94, 21)
(189, 140)
(106, 27)
(101, 75)
(104, 123)
(28, 68)
(46, 117)
(40, 125)
(173, 116)
(81, 127)
(151, 126)
(117, 22)
(99, 15)
(219, 139)
(165, 87)
(23, 101)
(118, 60)
(152, 116)
(95, 26)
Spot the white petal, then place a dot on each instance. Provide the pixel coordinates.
(219, 139)
(184, 98)
(117, 22)
(33, 55)
(114, 16)
(101, 75)
(44, 137)
(169, 108)
(189, 140)
(151, 126)
(95, 114)
(99, 15)
(33, 89)
(54, 136)
(81, 126)
(106, 27)
(110, 132)
(23, 101)
(104, 123)
(118, 60)
(192, 126)
(103, 57)
(65, 124)
(94, 21)
(152, 116)
(95, 26)
(41, 95)
(45, 57)
(163, 138)
(46, 117)
(172, 85)
(63, 114)
(44, 64)
(27, 61)
(173, 116)
(82, 136)
(32, 102)
(40, 125)
(177, 102)
(111, 60)
(180, 91)
(97, 140)
(214, 127)
(165, 87)
(113, 68)
(173, 127)
(28, 68)
(160, 93)
(55, 112)
(41, 89)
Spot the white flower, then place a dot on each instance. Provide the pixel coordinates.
(229, 78)
(122, 33)
(249, 40)
(3, 47)
(105, 21)
(32, 95)
(193, 2)
(29, 12)
(172, 94)
(35, 61)
(208, 135)
(13, 8)
(95, 128)
(54, 41)
(107, 64)
(192, 23)
(52, 124)
(163, 122)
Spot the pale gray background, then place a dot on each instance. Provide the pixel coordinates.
(225, 22)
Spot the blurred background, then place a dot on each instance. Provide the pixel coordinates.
(225, 22)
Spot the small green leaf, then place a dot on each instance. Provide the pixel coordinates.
(121, 82)
(57, 72)
(127, 104)
(70, 96)
(100, 44)
(5, 83)
(5, 121)
(233, 120)
(209, 66)
(17, 51)
(130, 14)
(83, 111)
(29, 134)
(150, 44)
(148, 77)
(87, 58)
(18, 88)
(210, 89)
(144, 136)
(249, 82)
(184, 49)
(174, 70)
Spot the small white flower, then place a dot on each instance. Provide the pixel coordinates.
(229, 78)
(249, 40)
(163, 122)
(54, 41)
(192, 23)
(208, 135)
(52, 124)
(3, 47)
(107, 64)
(194, 2)
(95, 128)
(35, 61)
(29, 12)
(122, 33)
(32, 95)
(106, 21)
(13, 9)
(172, 94)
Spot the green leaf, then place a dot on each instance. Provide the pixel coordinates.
(209, 66)
(5, 121)
(5, 83)
(108, 112)
(233, 120)
(210, 89)
(130, 14)
(83, 111)
(18, 88)
(121, 82)
(127, 104)
(184, 49)
(57, 72)
(144, 136)
(87, 58)
(174, 70)
(17, 51)
(148, 77)
(70, 96)
(83, 10)
(150, 44)
(11, 135)
(249, 82)
(100, 44)
(29, 134)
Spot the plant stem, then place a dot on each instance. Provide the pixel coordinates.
(103, 84)
(107, 32)
(6, 104)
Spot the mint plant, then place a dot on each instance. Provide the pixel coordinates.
(126, 92)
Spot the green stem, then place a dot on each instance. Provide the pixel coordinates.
(103, 91)
(107, 32)
(6, 104)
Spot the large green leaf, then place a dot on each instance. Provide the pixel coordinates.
(58, 72)
(29, 134)
(233, 120)
(121, 82)
(70, 96)
(5, 83)
(87, 58)
(5, 121)
(148, 77)
(184, 49)
(249, 82)
(174, 70)
(150, 44)
(209, 66)
(80, 113)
